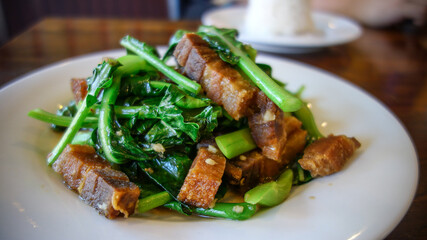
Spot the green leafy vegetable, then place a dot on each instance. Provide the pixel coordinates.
(207, 120)
(169, 171)
(138, 176)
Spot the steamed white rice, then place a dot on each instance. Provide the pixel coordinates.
(278, 17)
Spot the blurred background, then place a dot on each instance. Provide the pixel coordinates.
(18, 15)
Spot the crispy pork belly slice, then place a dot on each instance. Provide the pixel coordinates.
(296, 139)
(79, 88)
(226, 87)
(250, 169)
(198, 59)
(75, 161)
(186, 44)
(328, 155)
(222, 83)
(203, 179)
(267, 127)
(107, 190)
(110, 192)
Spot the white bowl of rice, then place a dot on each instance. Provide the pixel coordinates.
(278, 17)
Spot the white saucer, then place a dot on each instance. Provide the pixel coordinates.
(332, 30)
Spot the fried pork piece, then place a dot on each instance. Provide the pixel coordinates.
(222, 83)
(250, 169)
(296, 139)
(271, 130)
(110, 192)
(79, 88)
(203, 179)
(107, 190)
(328, 155)
(75, 161)
(267, 127)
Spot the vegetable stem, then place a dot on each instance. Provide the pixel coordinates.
(305, 115)
(147, 52)
(277, 94)
(105, 121)
(235, 143)
(235, 211)
(63, 121)
(153, 201)
(83, 138)
(271, 193)
(69, 134)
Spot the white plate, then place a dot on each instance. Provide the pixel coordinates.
(331, 30)
(364, 201)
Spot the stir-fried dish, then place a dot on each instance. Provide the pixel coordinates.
(141, 134)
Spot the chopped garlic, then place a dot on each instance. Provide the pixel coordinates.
(210, 161)
(242, 181)
(158, 147)
(268, 116)
(149, 170)
(242, 157)
(238, 209)
(102, 206)
(212, 149)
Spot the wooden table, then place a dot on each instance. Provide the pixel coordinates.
(389, 64)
